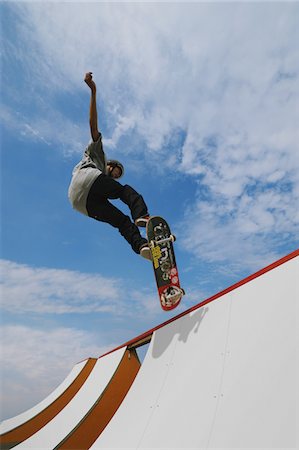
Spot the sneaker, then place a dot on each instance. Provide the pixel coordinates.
(145, 252)
(142, 221)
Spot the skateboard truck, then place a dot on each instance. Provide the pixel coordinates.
(172, 298)
(171, 238)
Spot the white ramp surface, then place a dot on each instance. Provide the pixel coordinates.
(57, 429)
(222, 376)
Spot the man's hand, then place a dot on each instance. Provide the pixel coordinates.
(89, 81)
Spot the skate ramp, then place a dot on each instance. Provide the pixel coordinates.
(221, 376)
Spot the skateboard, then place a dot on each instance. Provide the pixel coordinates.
(160, 242)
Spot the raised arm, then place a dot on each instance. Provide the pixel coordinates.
(93, 115)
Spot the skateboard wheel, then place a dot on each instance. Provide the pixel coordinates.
(183, 291)
(152, 244)
(172, 238)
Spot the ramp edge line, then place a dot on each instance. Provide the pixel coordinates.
(146, 336)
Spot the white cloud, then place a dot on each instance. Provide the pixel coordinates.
(244, 231)
(34, 361)
(44, 290)
(226, 74)
(207, 68)
(41, 290)
(48, 127)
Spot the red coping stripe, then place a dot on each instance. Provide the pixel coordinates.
(210, 299)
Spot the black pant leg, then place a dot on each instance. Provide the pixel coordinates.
(109, 188)
(101, 209)
(134, 201)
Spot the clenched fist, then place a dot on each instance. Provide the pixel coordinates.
(89, 81)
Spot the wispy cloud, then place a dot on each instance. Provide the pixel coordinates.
(156, 75)
(244, 208)
(44, 290)
(41, 290)
(226, 75)
(48, 127)
(34, 361)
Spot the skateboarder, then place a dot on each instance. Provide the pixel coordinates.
(94, 183)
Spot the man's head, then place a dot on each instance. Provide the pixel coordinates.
(115, 169)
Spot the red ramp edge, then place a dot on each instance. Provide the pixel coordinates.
(145, 337)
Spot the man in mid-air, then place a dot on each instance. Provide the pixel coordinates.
(94, 183)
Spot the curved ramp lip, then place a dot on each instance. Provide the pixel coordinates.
(98, 417)
(17, 421)
(54, 432)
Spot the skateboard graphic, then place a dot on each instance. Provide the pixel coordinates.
(160, 242)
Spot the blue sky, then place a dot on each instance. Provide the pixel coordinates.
(200, 103)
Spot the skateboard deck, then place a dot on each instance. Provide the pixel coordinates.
(160, 242)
